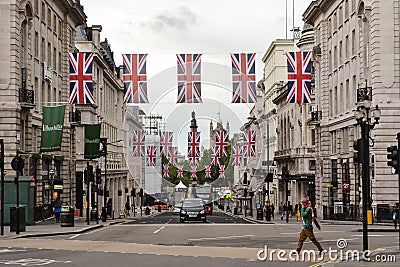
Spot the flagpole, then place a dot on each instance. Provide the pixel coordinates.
(293, 19)
(286, 18)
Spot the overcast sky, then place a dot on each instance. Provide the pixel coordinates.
(214, 28)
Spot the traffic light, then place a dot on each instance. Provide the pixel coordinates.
(90, 173)
(393, 158)
(245, 192)
(358, 150)
(245, 178)
(98, 175)
(133, 192)
(141, 192)
(103, 146)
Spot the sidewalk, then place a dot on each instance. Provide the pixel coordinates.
(49, 227)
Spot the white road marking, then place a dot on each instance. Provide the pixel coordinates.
(220, 237)
(11, 250)
(158, 230)
(72, 237)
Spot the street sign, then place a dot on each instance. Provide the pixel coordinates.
(17, 163)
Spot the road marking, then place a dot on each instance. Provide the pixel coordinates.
(376, 235)
(11, 250)
(162, 227)
(72, 237)
(296, 233)
(220, 237)
(158, 230)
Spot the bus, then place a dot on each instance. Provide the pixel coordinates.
(205, 192)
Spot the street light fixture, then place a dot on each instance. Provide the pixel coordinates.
(363, 116)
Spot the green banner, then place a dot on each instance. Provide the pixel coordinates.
(52, 128)
(92, 141)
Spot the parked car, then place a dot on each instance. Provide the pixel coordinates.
(193, 209)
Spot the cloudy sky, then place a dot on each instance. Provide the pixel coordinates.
(214, 28)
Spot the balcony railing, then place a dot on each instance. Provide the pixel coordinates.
(27, 97)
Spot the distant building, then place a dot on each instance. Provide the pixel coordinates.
(219, 127)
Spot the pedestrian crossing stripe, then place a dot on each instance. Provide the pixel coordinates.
(318, 264)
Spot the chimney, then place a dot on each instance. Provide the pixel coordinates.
(96, 29)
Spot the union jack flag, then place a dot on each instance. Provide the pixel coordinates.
(299, 77)
(208, 171)
(221, 171)
(193, 171)
(166, 170)
(139, 147)
(244, 78)
(249, 143)
(189, 78)
(179, 171)
(221, 142)
(166, 142)
(81, 78)
(193, 147)
(135, 80)
(214, 156)
(172, 155)
(237, 155)
(151, 156)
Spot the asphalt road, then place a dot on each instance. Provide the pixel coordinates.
(162, 241)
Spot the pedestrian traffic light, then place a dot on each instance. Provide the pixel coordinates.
(98, 175)
(141, 192)
(393, 158)
(245, 192)
(358, 150)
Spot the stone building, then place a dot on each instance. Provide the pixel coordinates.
(356, 51)
(36, 37)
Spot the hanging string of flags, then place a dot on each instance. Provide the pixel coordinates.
(189, 78)
(135, 78)
(238, 152)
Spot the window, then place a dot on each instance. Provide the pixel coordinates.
(55, 23)
(346, 47)
(43, 15)
(329, 27)
(347, 96)
(335, 100)
(345, 140)
(333, 142)
(353, 42)
(49, 17)
(340, 53)
(334, 21)
(36, 45)
(330, 61)
(49, 54)
(36, 7)
(313, 137)
(59, 62)
(346, 9)
(334, 57)
(54, 58)
(42, 50)
(340, 16)
(60, 28)
(341, 99)
(331, 102)
(334, 173)
(354, 87)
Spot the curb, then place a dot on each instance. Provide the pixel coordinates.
(87, 229)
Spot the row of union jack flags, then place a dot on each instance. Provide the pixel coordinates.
(189, 78)
(135, 78)
(247, 149)
(193, 171)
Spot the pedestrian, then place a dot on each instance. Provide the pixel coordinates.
(307, 216)
(268, 213)
(273, 210)
(57, 209)
(395, 218)
(281, 210)
(109, 207)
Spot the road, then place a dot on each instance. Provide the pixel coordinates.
(162, 241)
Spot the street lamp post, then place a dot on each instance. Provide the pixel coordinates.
(362, 115)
